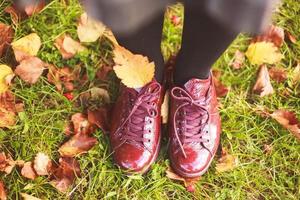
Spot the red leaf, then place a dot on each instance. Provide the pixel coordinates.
(81, 124)
(263, 84)
(6, 36)
(99, 117)
(176, 20)
(69, 96)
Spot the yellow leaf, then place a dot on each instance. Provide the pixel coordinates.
(29, 44)
(226, 162)
(135, 71)
(4, 72)
(263, 52)
(28, 197)
(89, 30)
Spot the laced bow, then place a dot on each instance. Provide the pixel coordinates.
(195, 112)
(141, 105)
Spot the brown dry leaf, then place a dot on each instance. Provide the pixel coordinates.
(188, 182)
(28, 197)
(3, 195)
(226, 162)
(68, 47)
(6, 36)
(42, 164)
(291, 37)
(6, 74)
(288, 120)
(35, 7)
(103, 72)
(78, 144)
(89, 30)
(26, 46)
(135, 71)
(99, 117)
(263, 84)
(165, 108)
(81, 124)
(15, 15)
(6, 163)
(239, 58)
(278, 74)
(64, 175)
(28, 171)
(221, 89)
(61, 78)
(30, 69)
(273, 34)
(296, 74)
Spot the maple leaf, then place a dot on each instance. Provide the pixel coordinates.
(135, 71)
(89, 30)
(5, 72)
(3, 195)
(30, 69)
(78, 144)
(26, 46)
(288, 120)
(263, 52)
(274, 34)
(263, 84)
(226, 162)
(27, 171)
(278, 74)
(6, 36)
(42, 164)
(28, 197)
(68, 47)
(239, 58)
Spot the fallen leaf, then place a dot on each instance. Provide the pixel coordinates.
(239, 58)
(291, 37)
(6, 163)
(78, 144)
(27, 171)
(288, 120)
(263, 84)
(6, 36)
(15, 15)
(34, 7)
(103, 72)
(221, 89)
(278, 74)
(165, 108)
(189, 183)
(3, 195)
(64, 175)
(68, 47)
(296, 74)
(26, 46)
(28, 197)
(88, 29)
(99, 117)
(226, 162)
(109, 35)
(274, 34)
(263, 52)
(81, 124)
(135, 71)
(30, 69)
(61, 77)
(42, 164)
(5, 71)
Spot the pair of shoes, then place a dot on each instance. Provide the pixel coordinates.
(193, 133)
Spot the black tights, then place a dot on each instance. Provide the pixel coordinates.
(203, 42)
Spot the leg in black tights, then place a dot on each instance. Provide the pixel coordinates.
(203, 42)
(147, 41)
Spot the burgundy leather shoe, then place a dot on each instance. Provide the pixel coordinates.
(194, 127)
(135, 130)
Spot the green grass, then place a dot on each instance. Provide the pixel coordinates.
(258, 175)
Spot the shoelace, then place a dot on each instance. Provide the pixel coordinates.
(195, 112)
(133, 125)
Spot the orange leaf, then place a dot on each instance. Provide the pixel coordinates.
(6, 36)
(226, 162)
(278, 74)
(288, 120)
(221, 89)
(263, 84)
(3, 195)
(28, 171)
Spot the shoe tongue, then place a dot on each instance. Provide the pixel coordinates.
(197, 88)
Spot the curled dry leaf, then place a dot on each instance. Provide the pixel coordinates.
(64, 175)
(6, 163)
(263, 53)
(78, 144)
(81, 124)
(135, 71)
(5, 73)
(99, 117)
(221, 89)
(89, 30)
(27, 171)
(3, 195)
(30, 69)
(189, 183)
(61, 77)
(274, 34)
(68, 47)
(278, 74)
(263, 84)
(6, 36)
(28, 197)
(35, 7)
(42, 164)
(226, 162)
(238, 61)
(27, 46)
(288, 120)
